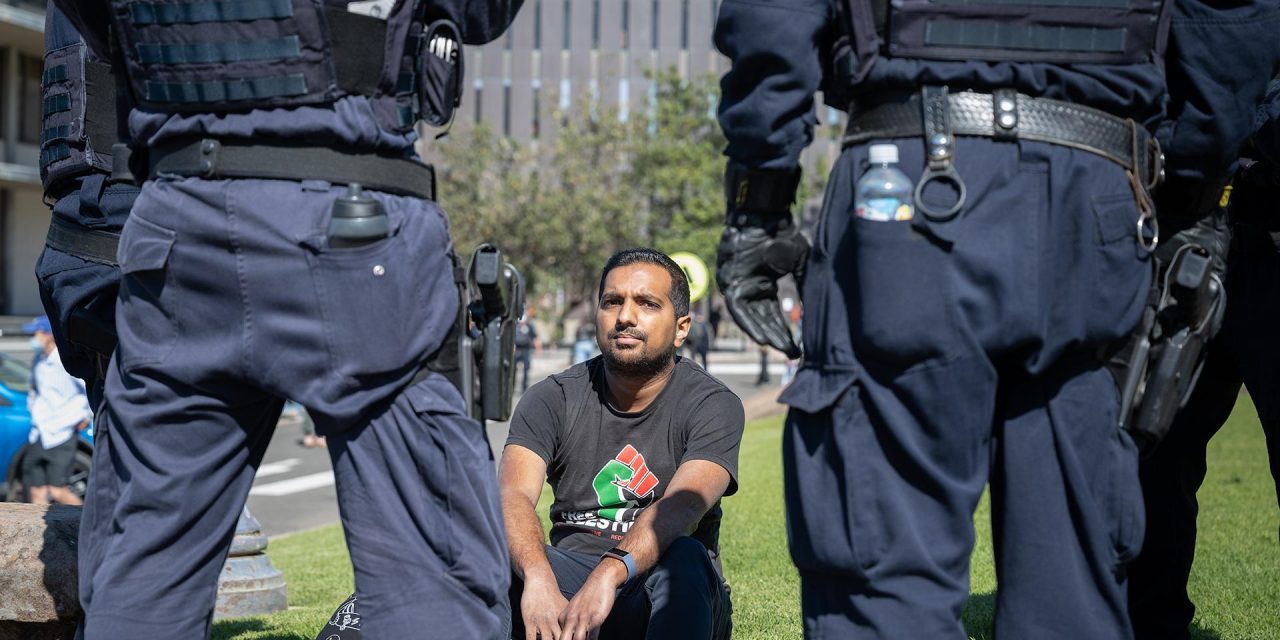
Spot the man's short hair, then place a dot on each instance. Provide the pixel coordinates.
(679, 283)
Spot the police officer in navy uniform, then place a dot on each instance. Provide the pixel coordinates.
(77, 272)
(1244, 353)
(286, 244)
(964, 343)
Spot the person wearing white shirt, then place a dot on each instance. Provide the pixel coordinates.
(59, 410)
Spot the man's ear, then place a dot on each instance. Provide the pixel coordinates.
(682, 329)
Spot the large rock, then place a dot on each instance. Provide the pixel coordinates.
(38, 585)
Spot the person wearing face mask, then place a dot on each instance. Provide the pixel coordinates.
(59, 410)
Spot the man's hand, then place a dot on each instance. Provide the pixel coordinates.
(581, 620)
(755, 250)
(541, 605)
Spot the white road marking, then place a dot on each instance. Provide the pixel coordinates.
(294, 485)
(278, 467)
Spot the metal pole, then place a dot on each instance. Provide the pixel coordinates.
(249, 585)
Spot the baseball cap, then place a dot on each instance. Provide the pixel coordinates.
(38, 324)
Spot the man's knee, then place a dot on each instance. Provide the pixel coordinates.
(687, 564)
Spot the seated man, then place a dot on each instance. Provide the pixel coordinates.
(638, 445)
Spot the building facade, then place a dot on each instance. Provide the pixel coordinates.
(24, 218)
(560, 54)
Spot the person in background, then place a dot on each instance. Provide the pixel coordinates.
(526, 343)
(59, 410)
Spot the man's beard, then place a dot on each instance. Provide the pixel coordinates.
(645, 364)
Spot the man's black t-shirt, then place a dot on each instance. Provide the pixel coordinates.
(605, 466)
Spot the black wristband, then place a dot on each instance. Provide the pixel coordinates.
(760, 190)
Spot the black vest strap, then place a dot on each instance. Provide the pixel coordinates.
(219, 52)
(209, 11)
(226, 90)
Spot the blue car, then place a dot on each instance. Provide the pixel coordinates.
(15, 425)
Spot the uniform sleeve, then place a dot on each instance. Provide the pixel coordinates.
(1219, 60)
(481, 21)
(92, 18)
(766, 104)
(715, 434)
(535, 424)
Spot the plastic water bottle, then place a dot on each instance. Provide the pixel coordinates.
(884, 192)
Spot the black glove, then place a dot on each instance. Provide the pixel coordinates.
(755, 250)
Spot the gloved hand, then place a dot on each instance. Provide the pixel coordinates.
(1211, 232)
(755, 250)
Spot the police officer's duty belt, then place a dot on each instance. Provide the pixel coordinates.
(94, 245)
(215, 159)
(1007, 115)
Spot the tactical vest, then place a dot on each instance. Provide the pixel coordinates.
(1064, 32)
(220, 56)
(79, 116)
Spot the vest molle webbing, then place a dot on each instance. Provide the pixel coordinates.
(212, 56)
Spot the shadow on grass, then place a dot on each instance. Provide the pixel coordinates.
(979, 616)
(235, 628)
(1199, 632)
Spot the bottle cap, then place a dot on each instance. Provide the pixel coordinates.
(882, 153)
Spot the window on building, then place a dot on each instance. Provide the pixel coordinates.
(653, 22)
(29, 115)
(626, 24)
(506, 108)
(595, 24)
(568, 25)
(537, 25)
(566, 94)
(684, 24)
(537, 109)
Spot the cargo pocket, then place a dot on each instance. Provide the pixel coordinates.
(368, 296)
(460, 479)
(897, 281)
(1122, 267)
(147, 304)
(834, 523)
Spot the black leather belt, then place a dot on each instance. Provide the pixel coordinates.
(93, 245)
(1007, 115)
(214, 159)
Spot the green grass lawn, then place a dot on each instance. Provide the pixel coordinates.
(1235, 582)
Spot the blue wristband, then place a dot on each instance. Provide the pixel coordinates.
(625, 558)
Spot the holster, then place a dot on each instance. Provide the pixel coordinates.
(1158, 367)
(478, 355)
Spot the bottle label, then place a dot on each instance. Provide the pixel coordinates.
(885, 210)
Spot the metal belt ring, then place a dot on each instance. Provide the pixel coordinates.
(1146, 222)
(947, 174)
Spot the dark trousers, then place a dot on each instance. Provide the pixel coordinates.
(524, 359)
(681, 597)
(230, 302)
(71, 284)
(945, 356)
(1245, 352)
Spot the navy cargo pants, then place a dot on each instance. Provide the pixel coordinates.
(230, 302)
(1246, 352)
(946, 356)
(67, 282)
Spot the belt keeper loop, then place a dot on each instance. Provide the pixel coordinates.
(940, 141)
(1004, 109)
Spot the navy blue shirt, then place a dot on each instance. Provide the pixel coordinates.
(1218, 62)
